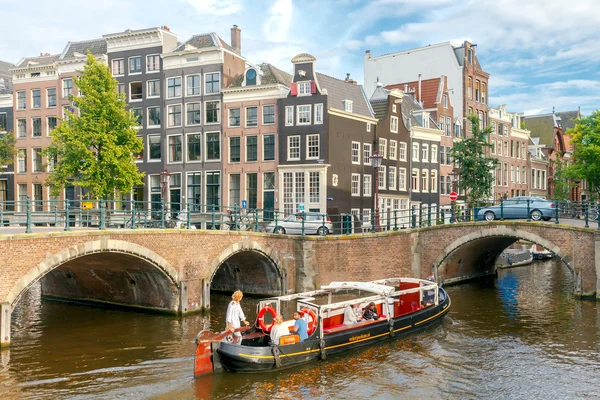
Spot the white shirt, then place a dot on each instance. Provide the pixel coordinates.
(234, 314)
(279, 331)
(349, 316)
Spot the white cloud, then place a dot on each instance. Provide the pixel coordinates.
(216, 7)
(353, 44)
(278, 24)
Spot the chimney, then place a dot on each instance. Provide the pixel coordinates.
(349, 80)
(406, 88)
(166, 28)
(236, 39)
(420, 91)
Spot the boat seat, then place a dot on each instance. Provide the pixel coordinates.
(342, 327)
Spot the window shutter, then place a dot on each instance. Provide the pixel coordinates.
(294, 89)
(313, 87)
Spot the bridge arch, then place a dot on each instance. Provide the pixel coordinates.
(89, 249)
(249, 266)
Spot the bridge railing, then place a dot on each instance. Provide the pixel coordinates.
(111, 214)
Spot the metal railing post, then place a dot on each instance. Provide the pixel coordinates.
(102, 221)
(442, 217)
(452, 211)
(429, 215)
(323, 230)
(303, 217)
(256, 220)
(28, 212)
(188, 222)
(587, 225)
(413, 217)
(56, 215)
(373, 229)
(598, 216)
(556, 211)
(420, 216)
(528, 212)
(276, 221)
(395, 220)
(162, 214)
(67, 222)
(212, 217)
(501, 209)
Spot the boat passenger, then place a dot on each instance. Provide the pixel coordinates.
(352, 314)
(300, 327)
(235, 315)
(370, 312)
(278, 330)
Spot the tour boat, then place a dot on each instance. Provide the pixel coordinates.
(540, 253)
(514, 258)
(404, 306)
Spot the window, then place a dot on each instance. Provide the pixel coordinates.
(37, 127)
(518, 175)
(121, 89)
(368, 127)
(37, 159)
(135, 65)
(366, 216)
(443, 123)
(448, 126)
(355, 153)
(433, 181)
(234, 117)
(394, 124)
(383, 147)
(319, 115)
(477, 93)
(445, 100)
(303, 115)
(173, 87)
(153, 116)
(314, 181)
(415, 152)
(213, 112)
(268, 115)
(505, 174)
(36, 98)
(355, 185)
(212, 82)
(367, 153)
(289, 116)
(512, 174)
(194, 147)
(483, 94)
(470, 87)
(22, 128)
(401, 151)
(234, 190)
(213, 146)
(153, 63)
(192, 85)
(393, 108)
(415, 180)
(443, 155)
(51, 124)
(153, 89)
(137, 113)
(443, 185)
(424, 180)
(393, 149)
(506, 148)
(251, 148)
(303, 88)
(252, 190)
(268, 147)
(234, 149)
(293, 148)
(493, 146)
(251, 116)
(118, 67)
(251, 77)
(174, 115)
(312, 147)
(401, 178)
(213, 188)
(505, 130)
(154, 146)
(425, 153)
(348, 106)
(21, 160)
(434, 155)
(192, 112)
(392, 178)
(381, 177)
(367, 185)
(135, 91)
(21, 100)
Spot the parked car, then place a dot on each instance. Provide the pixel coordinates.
(516, 208)
(292, 224)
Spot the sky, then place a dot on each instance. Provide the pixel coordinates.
(540, 53)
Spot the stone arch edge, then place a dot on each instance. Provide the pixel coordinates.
(54, 261)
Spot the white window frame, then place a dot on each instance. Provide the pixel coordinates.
(186, 150)
(112, 65)
(367, 159)
(425, 172)
(392, 170)
(382, 144)
(368, 127)
(400, 146)
(186, 85)
(154, 71)
(62, 84)
(308, 137)
(181, 87)
(147, 148)
(394, 123)
(182, 115)
(382, 183)
(298, 114)
(416, 154)
(262, 121)
(220, 82)
(434, 153)
(246, 149)
(393, 149)
(148, 126)
(352, 155)
(136, 100)
(348, 106)
(433, 181)
(205, 151)
(129, 73)
(355, 189)
(289, 140)
(289, 115)
(206, 115)
(366, 216)
(402, 187)
(148, 96)
(169, 150)
(246, 117)
(367, 185)
(394, 108)
(301, 85)
(416, 189)
(186, 111)
(425, 150)
(318, 113)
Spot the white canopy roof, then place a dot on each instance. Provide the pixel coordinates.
(366, 286)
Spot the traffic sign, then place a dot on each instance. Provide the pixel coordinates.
(244, 204)
(87, 205)
(301, 206)
(453, 196)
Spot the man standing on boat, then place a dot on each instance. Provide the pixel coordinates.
(235, 315)
(300, 326)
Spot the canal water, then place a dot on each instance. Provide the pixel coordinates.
(522, 336)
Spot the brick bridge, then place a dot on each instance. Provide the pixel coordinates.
(173, 271)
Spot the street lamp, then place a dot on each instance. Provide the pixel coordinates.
(164, 186)
(376, 159)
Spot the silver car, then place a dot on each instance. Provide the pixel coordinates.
(314, 224)
(516, 208)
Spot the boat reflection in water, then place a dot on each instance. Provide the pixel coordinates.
(403, 306)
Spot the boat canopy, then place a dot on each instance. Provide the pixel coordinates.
(382, 290)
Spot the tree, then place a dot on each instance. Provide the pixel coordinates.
(7, 149)
(560, 179)
(95, 147)
(585, 138)
(474, 165)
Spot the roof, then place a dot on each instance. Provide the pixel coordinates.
(5, 77)
(409, 105)
(95, 46)
(541, 126)
(270, 76)
(364, 286)
(430, 89)
(40, 60)
(567, 119)
(339, 90)
(303, 57)
(379, 102)
(204, 41)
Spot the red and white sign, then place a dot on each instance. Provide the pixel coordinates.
(453, 196)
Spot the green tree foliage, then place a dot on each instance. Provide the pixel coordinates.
(474, 165)
(95, 144)
(7, 149)
(560, 180)
(585, 138)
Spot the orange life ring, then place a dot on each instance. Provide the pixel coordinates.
(312, 325)
(261, 318)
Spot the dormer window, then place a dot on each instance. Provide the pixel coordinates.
(304, 88)
(348, 105)
(251, 77)
(35, 74)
